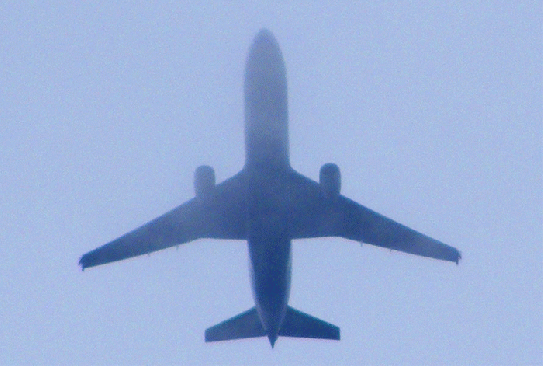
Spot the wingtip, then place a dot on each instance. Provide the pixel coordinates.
(82, 263)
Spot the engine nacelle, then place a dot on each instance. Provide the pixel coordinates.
(204, 180)
(330, 180)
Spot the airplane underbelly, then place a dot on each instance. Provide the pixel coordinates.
(269, 243)
(270, 276)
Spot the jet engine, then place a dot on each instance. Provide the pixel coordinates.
(330, 180)
(204, 180)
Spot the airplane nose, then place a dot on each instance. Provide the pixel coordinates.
(265, 39)
(265, 60)
(264, 34)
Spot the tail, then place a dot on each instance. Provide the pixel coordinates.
(302, 325)
(244, 325)
(248, 325)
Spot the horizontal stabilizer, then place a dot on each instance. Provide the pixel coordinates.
(244, 325)
(302, 325)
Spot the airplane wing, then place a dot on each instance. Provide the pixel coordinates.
(221, 214)
(314, 215)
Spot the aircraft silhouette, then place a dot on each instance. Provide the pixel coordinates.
(268, 204)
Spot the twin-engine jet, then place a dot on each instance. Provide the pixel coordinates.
(268, 204)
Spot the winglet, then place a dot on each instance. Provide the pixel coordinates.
(458, 258)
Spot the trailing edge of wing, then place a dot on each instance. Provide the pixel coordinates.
(219, 215)
(314, 215)
(370, 227)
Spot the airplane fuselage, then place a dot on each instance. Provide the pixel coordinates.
(266, 162)
(266, 105)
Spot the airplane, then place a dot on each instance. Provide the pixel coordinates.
(269, 204)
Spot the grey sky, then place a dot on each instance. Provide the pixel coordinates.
(432, 111)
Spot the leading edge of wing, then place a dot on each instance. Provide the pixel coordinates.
(221, 215)
(315, 215)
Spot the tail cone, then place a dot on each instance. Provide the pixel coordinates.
(272, 338)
